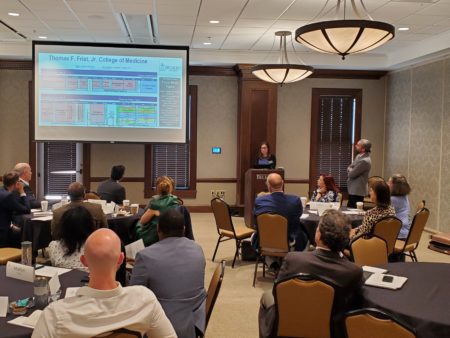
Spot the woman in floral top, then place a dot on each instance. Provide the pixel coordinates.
(326, 190)
(76, 225)
(381, 196)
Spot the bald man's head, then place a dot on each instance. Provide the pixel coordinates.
(274, 182)
(76, 191)
(102, 254)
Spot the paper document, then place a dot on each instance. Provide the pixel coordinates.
(43, 218)
(29, 321)
(3, 306)
(379, 280)
(132, 249)
(352, 212)
(71, 292)
(373, 269)
(304, 216)
(313, 212)
(20, 271)
(50, 271)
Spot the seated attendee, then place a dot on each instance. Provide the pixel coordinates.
(326, 262)
(76, 226)
(76, 194)
(10, 205)
(326, 190)
(380, 195)
(288, 206)
(400, 190)
(174, 269)
(25, 174)
(104, 305)
(163, 201)
(112, 190)
(265, 160)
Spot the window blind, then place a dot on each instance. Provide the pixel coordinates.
(171, 160)
(59, 167)
(334, 138)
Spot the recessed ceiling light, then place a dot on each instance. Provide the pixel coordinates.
(42, 37)
(403, 29)
(207, 43)
(13, 14)
(214, 21)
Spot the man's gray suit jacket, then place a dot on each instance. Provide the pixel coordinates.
(174, 269)
(358, 175)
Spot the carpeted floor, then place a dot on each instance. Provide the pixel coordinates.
(236, 311)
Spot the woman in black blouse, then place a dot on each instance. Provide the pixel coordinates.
(265, 159)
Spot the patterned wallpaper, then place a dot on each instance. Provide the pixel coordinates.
(417, 127)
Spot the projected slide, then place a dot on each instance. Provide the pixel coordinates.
(111, 91)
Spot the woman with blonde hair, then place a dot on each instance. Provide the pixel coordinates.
(158, 204)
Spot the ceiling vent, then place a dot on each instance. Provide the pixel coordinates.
(140, 28)
(7, 33)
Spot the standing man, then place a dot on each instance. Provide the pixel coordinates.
(288, 206)
(174, 269)
(112, 190)
(25, 173)
(358, 173)
(9, 205)
(104, 305)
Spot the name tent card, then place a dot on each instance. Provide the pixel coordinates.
(20, 271)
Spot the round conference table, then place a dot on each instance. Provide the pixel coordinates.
(422, 302)
(311, 221)
(17, 289)
(39, 232)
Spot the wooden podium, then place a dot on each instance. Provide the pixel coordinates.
(255, 182)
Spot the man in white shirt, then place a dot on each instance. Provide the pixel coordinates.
(104, 305)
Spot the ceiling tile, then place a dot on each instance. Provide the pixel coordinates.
(227, 12)
(263, 9)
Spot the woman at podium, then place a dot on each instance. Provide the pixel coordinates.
(265, 160)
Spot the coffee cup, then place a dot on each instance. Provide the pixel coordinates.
(359, 205)
(126, 203)
(44, 205)
(134, 208)
(303, 199)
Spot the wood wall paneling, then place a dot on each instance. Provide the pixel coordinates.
(257, 122)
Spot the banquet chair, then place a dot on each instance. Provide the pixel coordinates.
(368, 251)
(273, 239)
(225, 227)
(213, 290)
(408, 246)
(303, 307)
(10, 255)
(373, 323)
(388, 229)
(91, 195)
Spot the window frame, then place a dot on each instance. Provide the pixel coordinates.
(315, 113)
(192, 135)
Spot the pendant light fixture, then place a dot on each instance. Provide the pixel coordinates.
(345, 37)
(282, 72)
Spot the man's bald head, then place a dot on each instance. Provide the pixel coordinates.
(76, 191)
(274, 182)
(102, 254)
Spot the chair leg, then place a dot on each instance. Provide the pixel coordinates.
(256, 269)
(217, 246)
(264, 266)
(413, 256)
(238, 243)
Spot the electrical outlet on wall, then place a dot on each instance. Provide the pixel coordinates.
(213, 194)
